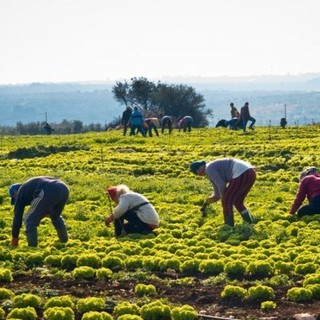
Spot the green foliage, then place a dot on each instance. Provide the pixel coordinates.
(235, 269)
(62, 301)
(313, 278)
(315, 289)
(90, 304)
(306, 268)
(26, 300)
(126, 308)
(6, 294)
(69, 261)
(299, 294)
(268, 305)
(260, 293)
(82, 273)
(259, 269)
(5, 275)
(95, 315)
(34, 260)
(58, 313)
(155, 310)
(2, 314)
(28, 313)
(103, 273)
(184, 313)
(53, 260)
(91, 260)
(130, 317)
(233, 292)
(211, 266)
(145, 290)
(113, 263)
(282, 250)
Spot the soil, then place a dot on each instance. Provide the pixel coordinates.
(205, 299)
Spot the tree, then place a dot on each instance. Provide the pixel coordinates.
(141, 92)
(155, 99)
(179, 101)
(121, 92)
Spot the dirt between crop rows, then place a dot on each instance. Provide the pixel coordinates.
(205, 299)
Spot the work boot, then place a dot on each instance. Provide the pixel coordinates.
(229, 220)
(32, 237)
(62, 234)
(246, 216)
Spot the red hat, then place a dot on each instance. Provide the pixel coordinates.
(112, 192)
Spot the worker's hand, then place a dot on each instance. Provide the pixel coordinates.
(108, 220)
(203, 209)
(14, 242)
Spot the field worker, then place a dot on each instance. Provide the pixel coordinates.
(232, 180)
(136, 122)
(166, 121)
(185, 123)
(152, 124)
(125, 119)
(132, 207)
(245, 117)
(309, 187)
(46, 196)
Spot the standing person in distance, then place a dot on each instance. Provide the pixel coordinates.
(235, 122)
(309, 188)
(232, 180)
(125, 119)
(46, 197)
(136, 122)
(245, 117)
(132, 207)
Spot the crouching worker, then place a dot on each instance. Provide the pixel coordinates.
(47, 197)
(309, 187)
(232, 180)
(132, 207)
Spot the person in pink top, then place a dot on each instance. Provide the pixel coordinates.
(309, 188)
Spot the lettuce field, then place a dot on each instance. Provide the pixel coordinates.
(194, 267)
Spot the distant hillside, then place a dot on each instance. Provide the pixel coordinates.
(94, 103)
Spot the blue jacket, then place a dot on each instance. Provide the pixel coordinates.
(136, 118)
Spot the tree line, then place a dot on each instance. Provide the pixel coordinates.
(154, 99)
(64, 127)
(157, 99)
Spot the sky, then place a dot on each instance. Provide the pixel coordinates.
(115, 40)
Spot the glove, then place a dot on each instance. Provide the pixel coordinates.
(14, 242)
(108, 220)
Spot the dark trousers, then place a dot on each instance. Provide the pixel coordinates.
(168, 123)
(151, 127)
(133, 224)
(312, 208)
(139, 129)
(49, 201)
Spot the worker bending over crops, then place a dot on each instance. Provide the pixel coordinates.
(309, 188)
(47, 197)
(232, 180)
(132, 207)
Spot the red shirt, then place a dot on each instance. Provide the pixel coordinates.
(309, 187)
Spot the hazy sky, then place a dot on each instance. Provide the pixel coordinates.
(88, 40)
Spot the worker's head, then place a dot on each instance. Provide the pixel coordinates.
(198, 167)
(114, 192)
(13, 191)
(307, 172)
